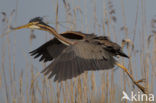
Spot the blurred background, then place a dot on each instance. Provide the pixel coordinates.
(132, 21)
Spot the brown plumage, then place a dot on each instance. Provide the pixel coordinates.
(72, 53)
(90, 53)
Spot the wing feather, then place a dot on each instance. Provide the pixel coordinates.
(49, 50)
(54, 47)
(78, 58)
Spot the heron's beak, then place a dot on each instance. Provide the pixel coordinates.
(23, 26)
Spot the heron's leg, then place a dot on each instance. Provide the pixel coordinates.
(131, 77)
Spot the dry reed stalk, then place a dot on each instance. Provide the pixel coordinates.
(27, 80)
(85, 86)
(124, 18)
(153, 26)
(1, 80)
(45, 84)
(51, 92)
(112, 89)
(4, 74)
(94, 91)
(136, 21)
(153, 64)
(74, 18)
(104, 17)
(147, 71)
(43, 94)
(154, 51)
(152, 57)
(26, 75)
(58, 93)
(93, 87)
(33, 98)
(27, 87)
(112, 19)
(63, 92)
(21, 87)
(67, 91)
(131, 71)
(144, 37)
(103, 87)
(57, 12)
(72, 91)
(79, 91)
(13, 88)
(75, 91)
(107, 87)
(94, 16)
(9, 57)
(152, 77)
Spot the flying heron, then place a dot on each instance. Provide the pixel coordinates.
(72, 52)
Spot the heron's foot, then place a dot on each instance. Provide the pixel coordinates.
(142, 88)
(141, 80)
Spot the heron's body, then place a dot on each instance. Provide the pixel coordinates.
(88, 53)
(72, 53)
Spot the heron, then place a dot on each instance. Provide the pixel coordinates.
(72, 53)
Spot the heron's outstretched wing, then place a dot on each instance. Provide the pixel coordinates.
(78, 58)
(54, 47)
(49, 50)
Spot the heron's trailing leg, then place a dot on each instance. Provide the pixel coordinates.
(131, 77)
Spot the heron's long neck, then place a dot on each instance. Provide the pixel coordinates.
(62, 39)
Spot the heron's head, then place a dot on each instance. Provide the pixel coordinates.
(35, 23)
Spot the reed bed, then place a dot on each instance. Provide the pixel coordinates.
(25, 84)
